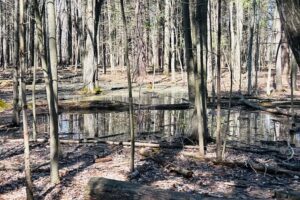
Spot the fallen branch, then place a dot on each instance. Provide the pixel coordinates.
(137, 144)
(270, 110)
(103, 160)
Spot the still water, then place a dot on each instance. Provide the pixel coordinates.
(246, 126)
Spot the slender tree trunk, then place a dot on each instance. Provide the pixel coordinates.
(131, 123)
(189, 58)
(213, 74)
(54, 141)
(250, 49)
(239, 39)
(53, 122)
(16, 110)
(34, 127)
(173, 50)
(257, 52)
(167, 33)
(110, 33)
(29, 184)
(218, 131)
(278, 53)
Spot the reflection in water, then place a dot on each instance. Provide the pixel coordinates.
(164, 125)
(158, 125)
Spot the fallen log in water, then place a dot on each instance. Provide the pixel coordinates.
(270, 110)
(118, 106)
(102, 188)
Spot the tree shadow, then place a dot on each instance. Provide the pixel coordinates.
(68, 161)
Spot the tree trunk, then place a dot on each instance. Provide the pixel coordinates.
(278, 53)
(167, 33)
(53, 122)
(173, 50)
(89, 59)
(29, 184)
(189, 58)
(131, 123)
(250, 49)
(218, 131)
(110, 34)
(54, 141)
(200, 73)
(239, 39)
(290, 18)
(285, 57)
(16, 110)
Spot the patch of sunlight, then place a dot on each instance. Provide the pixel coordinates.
(224, 187)
(85, 91)
(6, 83)
(4, 105)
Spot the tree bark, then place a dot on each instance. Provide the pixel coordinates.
(290, 18)
(54, 141)
(16, 109)
(250, 49)
(131, 122)
(29, 184)
(189, 58)
(218, 131)
(167, 33)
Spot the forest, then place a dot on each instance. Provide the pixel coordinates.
(149, 99)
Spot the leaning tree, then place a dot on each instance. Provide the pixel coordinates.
(290, 18)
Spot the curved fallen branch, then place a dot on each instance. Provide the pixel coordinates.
(276, 110)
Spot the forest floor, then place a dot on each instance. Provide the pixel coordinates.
(237, 178)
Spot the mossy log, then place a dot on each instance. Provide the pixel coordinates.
(102, 188)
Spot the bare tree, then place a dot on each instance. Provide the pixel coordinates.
(131, 123)
(29, 184)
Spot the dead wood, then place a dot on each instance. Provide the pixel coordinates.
(102, 188)
(259, 167)
(137, 144)
(181, 171)
(103, 160)
(287, 195)
(290, 166)
(276, 110)
(119, 106)
(16, 167)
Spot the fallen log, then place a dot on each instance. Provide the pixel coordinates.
(102, 188)
(118, 106)
(287, 195)
(103, 160)
(270, 110)
(137, 144)
(259, 167)
(290, 166)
